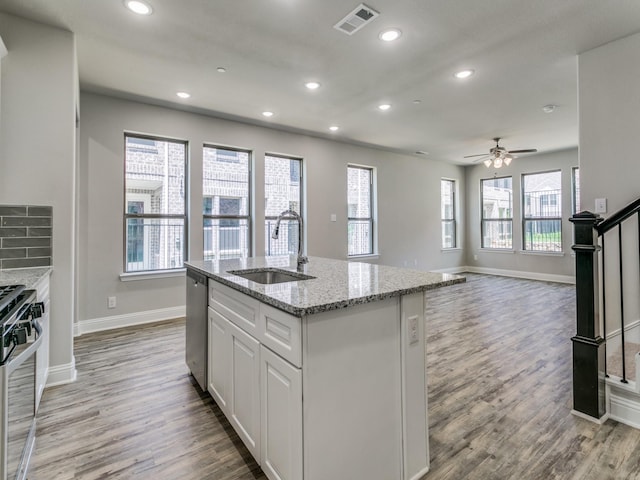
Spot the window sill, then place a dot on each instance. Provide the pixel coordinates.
(546, 254)
(371, 256)
(133, 276)
(451, 250)
(498, 250)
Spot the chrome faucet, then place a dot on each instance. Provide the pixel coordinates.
(290, 214)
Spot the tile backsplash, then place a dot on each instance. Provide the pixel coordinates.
(25, 236)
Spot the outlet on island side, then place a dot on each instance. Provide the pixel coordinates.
(413, 330)
(111, 302)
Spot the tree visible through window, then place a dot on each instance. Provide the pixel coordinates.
(542, 215)
(497, 213)
(360, 210)
(154, 210)
(448, 212)
(226, 200)
(282, 191)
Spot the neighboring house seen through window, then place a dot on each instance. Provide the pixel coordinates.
(497, 213)
(448, 212)
(282, 191)
(575, 185)
(154, 212)
(542, 213)
(226, 190)
(360, 227)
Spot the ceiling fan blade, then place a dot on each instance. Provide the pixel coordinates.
(477, 160)
(526, 150)
(478, 155)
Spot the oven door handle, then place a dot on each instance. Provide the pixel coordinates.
(37, 327)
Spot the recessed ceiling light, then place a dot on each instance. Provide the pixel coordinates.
(384, 106)
(390, 35)
(417, 102)
(221, 69)
(463, 74)
(139, 7)
(422, 152)
(549, 108)
(183, 94)
(312, 85)
(267, 114)
(334, 128)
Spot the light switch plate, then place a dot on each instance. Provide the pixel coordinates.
(601, 205)
(333, 217)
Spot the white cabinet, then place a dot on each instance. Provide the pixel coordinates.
(244, 401)
(281, 417)
(219, 357)
(331, 395)
(42, 355)
(234, 378)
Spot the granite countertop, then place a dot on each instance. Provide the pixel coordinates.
(338, 283)
(24, 276)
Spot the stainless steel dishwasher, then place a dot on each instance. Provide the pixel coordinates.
(196, 329)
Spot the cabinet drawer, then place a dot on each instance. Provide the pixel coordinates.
(235, 306)
(282, 333)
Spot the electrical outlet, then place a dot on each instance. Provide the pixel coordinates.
(601, 205)
(414, 336)
(333, 217)
(475, 257)
(111, 302)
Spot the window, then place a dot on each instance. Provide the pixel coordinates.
(360, 210)
(225, 203)
(283, 191)
(497, 212)
(154, 212)
(448, 212)
(542, 215)
(575, 184)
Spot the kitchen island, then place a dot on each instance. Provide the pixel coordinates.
(322, 377)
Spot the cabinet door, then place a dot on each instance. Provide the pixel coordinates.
(281, 385)
(42, 355)
(219, 366)
(244, 405)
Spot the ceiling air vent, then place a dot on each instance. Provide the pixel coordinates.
(356, 19)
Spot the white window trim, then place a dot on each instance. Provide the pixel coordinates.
(374, 211)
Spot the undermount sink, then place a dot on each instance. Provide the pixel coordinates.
(269, 276)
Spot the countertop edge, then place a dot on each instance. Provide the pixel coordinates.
(302, 311)
(30, 276)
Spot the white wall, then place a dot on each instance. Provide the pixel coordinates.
(609, 99)
(408, 198)
(518, 262)
(37, 154)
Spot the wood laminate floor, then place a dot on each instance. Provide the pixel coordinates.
(499, 363)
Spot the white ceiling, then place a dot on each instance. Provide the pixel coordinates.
(524, 54)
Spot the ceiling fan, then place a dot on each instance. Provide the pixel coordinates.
(499, 156)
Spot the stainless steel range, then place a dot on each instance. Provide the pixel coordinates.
(20, 341)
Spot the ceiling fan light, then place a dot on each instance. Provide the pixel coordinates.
(487, 162)
(507, 160)
(497, 162)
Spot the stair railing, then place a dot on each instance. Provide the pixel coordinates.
(589, 347)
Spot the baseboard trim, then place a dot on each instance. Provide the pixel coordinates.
(62, 374)
(127, 320)
(624, 410)
(546, 277)
(420, 474)
(627, 327)
(584, 416)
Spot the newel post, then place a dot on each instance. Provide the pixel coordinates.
(588, 345)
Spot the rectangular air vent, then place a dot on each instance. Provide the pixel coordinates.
(356, 19)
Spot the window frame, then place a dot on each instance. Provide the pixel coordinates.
(154, 216)
(499, 219)
(454, 214)
(526, 219)
(289, 223)
(575, 190)
(239, 218)
(372, 211)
